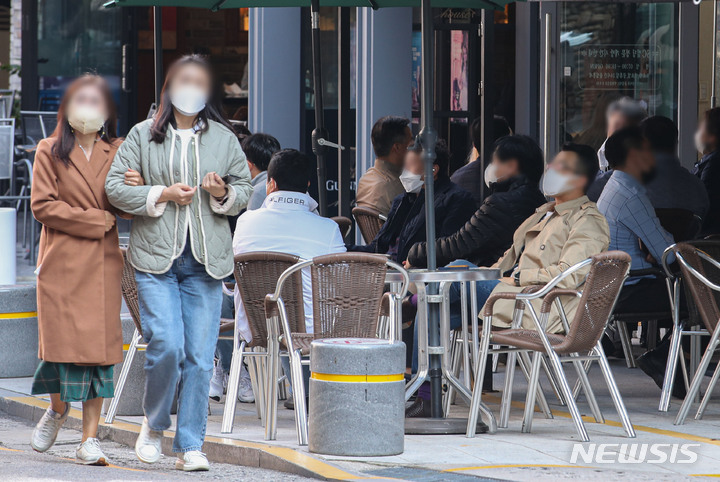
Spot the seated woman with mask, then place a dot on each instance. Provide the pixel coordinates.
(405, 225)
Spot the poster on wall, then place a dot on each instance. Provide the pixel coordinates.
(458, 70)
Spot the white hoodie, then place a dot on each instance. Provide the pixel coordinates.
(285, 223)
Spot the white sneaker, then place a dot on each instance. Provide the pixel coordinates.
(192, 461)
(217, 383)
(46, 430)
(148, 446)
(245, 391)
(90, 453)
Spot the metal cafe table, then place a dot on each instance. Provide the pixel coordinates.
(435, 342)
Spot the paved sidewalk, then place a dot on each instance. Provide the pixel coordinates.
(544, 454)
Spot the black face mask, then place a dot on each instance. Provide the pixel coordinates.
(648, 176)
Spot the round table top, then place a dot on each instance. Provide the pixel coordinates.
(445, 274)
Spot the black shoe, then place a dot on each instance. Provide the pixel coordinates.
(654, 367)
(419, 409)
(289, 403)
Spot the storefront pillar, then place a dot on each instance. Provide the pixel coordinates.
(384, 73)
(275, 82)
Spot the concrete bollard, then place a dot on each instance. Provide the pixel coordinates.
(8, 236)
(18, 331)
(357, 403)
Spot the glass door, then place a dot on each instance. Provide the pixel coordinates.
(611, 50)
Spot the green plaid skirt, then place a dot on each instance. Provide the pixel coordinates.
(74, 383)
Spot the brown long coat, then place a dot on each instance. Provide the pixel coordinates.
(80, 265)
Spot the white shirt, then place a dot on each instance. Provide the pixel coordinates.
(285, 223)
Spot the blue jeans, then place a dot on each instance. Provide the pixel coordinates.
(180, 316)
(482, 291)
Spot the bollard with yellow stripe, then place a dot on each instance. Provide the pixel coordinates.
(18, 331)
(357, 403)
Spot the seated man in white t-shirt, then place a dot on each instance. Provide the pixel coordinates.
(286, 223)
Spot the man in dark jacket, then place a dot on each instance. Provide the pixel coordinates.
(405, 225)
(517, 166)
(471, 176)
(708, 168)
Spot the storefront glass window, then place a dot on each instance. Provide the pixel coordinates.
(610, 50)
(74, 39)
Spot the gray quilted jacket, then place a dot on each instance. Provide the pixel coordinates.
(159, 230)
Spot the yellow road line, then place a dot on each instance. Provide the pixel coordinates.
(329, 377)
(10, 450)
(19, 314)
(512, 466)
(318, 467)
(638, 428)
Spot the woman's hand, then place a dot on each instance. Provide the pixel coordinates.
(178, 193)
(109, 221)
(133, 178)
(213, 184)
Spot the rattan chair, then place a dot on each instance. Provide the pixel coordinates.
(701, 275)
(580, 343)
(369, 221)
(348, 302)
(344, 224)
(256, 275)
(684, 324)
(130, 295)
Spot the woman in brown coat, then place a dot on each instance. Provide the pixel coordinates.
(79, 266)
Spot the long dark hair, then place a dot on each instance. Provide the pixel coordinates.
(63, 133)
(165, 113)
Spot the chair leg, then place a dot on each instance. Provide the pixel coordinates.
(232, 389)
(507, 391)
(614, 392)
(273, 365)
(122, 379)
(697, 380)
(567, 394)
(708, 393)
(626, 343)
(479, 376)
(525, 363)
(533, 384)
(495, 359)
(671, 368)
(589, 394)
(450, 395)
(553, 381)
(299, 397)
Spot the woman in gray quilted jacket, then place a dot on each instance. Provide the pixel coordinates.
(180, 174)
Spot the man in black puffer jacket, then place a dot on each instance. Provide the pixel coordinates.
(512, 177)
(405, 225)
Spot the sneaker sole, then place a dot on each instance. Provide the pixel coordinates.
(180, 465)
(246, 400)
(147, 460)
(40, 450)
(102, 461)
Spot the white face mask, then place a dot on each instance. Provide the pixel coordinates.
(699, 145)
(86, 119)
(411, 182)
(554, 183)
(490, 174)
(188, 99)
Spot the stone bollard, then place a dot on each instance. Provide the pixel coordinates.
(357, 402)
(18, 331)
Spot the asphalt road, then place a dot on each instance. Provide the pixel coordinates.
(18, 462)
